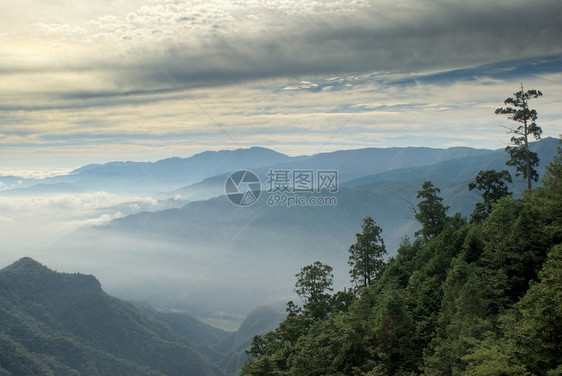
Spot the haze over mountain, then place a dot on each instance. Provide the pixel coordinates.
(126, 127)
(462, 168)
(151, 177)
(214, 259)
(350, 164)
(207, 258)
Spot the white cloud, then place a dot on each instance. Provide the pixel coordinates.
(434, 114)
(102, 220)
(64, 30)
(30, 224)
(63, 206)
(5, 219)
(33, 173)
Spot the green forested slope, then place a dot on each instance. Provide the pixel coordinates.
(477, 299)
(65, 324)
(260, 320)
(54, 323)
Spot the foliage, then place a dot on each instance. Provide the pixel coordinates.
(521, 157)
(493, 186)
(366, 255)
(536, 328)
(314, 282)
(493, 358)
(470, 299)
(432, 213)
(518, 159)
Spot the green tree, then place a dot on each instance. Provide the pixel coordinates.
(461, 320)
(366, 255)
(493, 186)
(470, 301)
(399, 269)
(389, 340)
(537, 328)
(521, 157)
(342, 300)
(314, 284)
(548, 198)
(272, 353)
(269, 354)
(492, 358)
(553, 177)
(332, 347)
(432, 213)
(516, 247)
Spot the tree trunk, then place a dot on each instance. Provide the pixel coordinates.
(527, 156)
(527, 160)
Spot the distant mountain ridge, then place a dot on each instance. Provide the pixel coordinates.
(202, 175)
(151, 177)
(350, 164)
(201, 164)
(461, 168)
(173, 173)
(8, 182)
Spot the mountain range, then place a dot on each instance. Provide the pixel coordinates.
(174, 173)
(350, 165)
(148, 177)
(214, 259)
(196, 256)
(65, 324)
(203, 175)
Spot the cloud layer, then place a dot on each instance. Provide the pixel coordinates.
(29, 224)
(157, 76)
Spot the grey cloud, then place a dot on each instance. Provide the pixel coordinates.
(431, 36)
(439, 34)
(450, 36)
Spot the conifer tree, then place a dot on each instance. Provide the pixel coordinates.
(366, 255)
(314, 284)
(521, 157)
(432, 213)
(493, 186)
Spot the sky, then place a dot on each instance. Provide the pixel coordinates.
(97, 81)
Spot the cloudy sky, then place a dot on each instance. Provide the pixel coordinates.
(104, 80)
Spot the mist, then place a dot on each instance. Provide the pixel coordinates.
(230, 272)
(213, 259)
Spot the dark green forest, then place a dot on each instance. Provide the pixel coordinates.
(64, 324)
(467, 296)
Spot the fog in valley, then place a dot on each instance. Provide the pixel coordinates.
(209, 257)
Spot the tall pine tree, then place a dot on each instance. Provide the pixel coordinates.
(521, 157)
(366, 255)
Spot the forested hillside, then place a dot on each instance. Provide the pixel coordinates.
(465, 297)
(64, 324)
